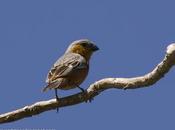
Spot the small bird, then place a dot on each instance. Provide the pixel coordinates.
(71, 69)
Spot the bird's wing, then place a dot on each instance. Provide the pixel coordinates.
(65, 66)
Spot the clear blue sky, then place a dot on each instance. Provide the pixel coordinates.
(132, 37)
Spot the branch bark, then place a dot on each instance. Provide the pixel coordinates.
(95, 89)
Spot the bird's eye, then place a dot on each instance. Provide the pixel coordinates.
(84, 44)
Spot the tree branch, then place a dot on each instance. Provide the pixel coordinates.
(96, 88)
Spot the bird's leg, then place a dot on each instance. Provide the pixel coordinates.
(81, 88)
(56, 95)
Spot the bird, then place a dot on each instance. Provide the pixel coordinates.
(72, 68)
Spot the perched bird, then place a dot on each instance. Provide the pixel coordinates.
(71, 69)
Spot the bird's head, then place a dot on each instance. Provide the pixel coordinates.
(83, 47)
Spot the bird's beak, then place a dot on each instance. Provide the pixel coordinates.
(95, 48)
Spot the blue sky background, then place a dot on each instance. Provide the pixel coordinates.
(132, 36)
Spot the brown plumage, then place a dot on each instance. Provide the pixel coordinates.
(71, 69)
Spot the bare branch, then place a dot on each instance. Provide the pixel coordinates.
(96, 88)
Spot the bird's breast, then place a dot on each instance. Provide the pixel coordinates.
(74, 79)
(78, 76)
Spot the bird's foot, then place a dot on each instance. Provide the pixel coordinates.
(57, 99)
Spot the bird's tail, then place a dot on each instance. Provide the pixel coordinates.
(50, 86)
(45, 88)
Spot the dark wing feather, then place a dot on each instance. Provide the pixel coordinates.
(65, 65)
